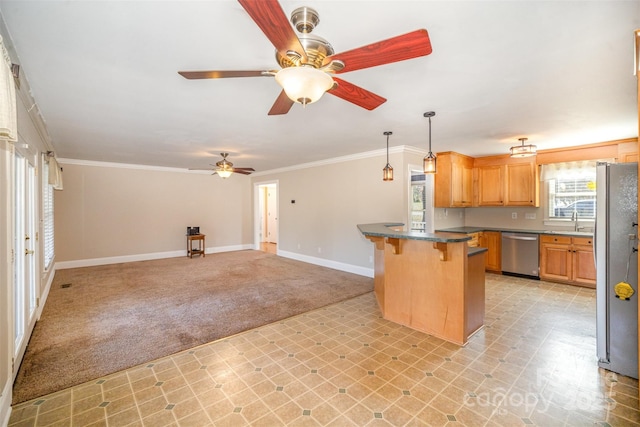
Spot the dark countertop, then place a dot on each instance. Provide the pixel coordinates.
(467, 230)
(382, 230)
(476, 251)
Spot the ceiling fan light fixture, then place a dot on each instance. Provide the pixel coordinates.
(224, 173)
(429, 161)
(387, 172)
(523, 150)
(304, 84)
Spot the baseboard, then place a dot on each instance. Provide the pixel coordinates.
(5, 403)
(45, 292)
(248, 246)
(143, 257)
(349, 268)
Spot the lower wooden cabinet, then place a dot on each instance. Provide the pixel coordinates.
(567, 259)
(492, 240)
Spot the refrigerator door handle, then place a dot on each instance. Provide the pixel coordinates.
(595, 242)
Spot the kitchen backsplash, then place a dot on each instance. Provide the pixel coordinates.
(525, 218)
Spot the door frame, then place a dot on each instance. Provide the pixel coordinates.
(257, 224)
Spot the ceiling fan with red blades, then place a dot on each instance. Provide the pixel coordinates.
(224, 168)
(308, 61)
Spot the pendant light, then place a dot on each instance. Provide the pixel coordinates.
(523, 150)
(429, 161)
(387, 172)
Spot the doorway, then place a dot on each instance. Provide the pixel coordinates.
(25, 298)
(421, 212)
(267, 217)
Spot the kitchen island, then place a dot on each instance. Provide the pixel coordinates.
(431, 282)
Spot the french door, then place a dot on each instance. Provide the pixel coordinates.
(25, 297)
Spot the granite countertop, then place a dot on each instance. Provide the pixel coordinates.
(466, 230)
(382, 230)
(476, 251)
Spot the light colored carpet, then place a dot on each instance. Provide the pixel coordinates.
(117, 316)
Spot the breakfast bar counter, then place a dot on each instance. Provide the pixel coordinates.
(431, 282)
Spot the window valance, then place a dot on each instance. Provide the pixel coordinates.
(8, 115)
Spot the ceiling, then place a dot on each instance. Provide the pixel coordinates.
(104, 76)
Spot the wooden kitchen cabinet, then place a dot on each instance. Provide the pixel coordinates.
(628, 152)
(492, 240)
(490, 185)
(454, 181)
(522, 184)
(584, 267)
(508, 183)
(567, 259)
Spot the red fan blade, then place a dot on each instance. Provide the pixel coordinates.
(222, 74)
(242, 172)
(407, 46)
(356, 95)
(273, 22)
(282, 105)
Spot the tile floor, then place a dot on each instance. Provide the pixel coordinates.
(343, 365)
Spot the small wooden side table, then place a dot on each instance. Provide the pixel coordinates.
(201, 246)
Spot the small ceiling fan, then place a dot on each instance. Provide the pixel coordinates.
(308, 62)
(224, 168)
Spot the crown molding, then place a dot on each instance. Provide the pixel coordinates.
(96, 163)
(351, 157)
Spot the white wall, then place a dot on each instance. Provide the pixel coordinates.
(330, 200)
(113, 213)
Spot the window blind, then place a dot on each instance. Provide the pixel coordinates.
(47, 216)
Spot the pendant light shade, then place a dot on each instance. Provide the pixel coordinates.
(304, 84)
(387, 172)
(429, 161)
(523, 150)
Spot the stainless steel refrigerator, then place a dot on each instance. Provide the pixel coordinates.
(616, 242)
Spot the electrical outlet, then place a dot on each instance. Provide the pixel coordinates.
(529, 216)
(319, 250)
(370, 258)
(514, 215)
(298, 245)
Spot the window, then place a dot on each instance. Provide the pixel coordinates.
(421, 202)
(47, 217)
(571, 190)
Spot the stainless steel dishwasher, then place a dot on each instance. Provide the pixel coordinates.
(520, 254)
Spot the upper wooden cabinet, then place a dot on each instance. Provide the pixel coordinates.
(453, 181)
(505, 182)
(628, 152)
(522, 184)
(491, 185)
